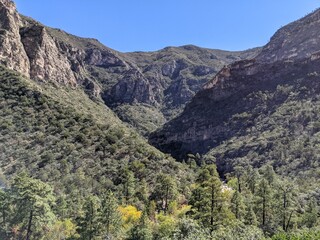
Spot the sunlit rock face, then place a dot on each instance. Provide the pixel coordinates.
(12, 52)
(290, 58)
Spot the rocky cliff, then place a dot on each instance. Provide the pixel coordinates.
(12, 52)
(250, 104)
(162, 81)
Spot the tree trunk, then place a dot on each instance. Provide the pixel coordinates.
(239, 183)
(264, 208)
(284, 211)
(166, 200)
(212, 207)
(289, 220)
(29, 225)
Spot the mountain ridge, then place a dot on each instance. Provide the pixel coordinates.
(163, 80)
(231, 105)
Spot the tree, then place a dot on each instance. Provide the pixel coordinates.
(252, 180)
(110, 216)
(250, 217)
(142, 231)
(237, 205)
(207, 198)
(264, 195)
(269, 174)
(33, 200)
(90, 222)
(62, 229)
(239, 171)
(286, 195)
(165, 191)
(310, 217)
(189, 229)
(142, 192)
(127, 180)
(5, 210)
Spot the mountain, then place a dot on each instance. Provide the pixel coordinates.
(174, 75)
(263, 110)
(144, 89)
(71, 169)
(53, 125)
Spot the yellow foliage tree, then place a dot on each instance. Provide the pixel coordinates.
(63, 229)
(130, 215)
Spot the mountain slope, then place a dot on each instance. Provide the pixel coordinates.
(183, 70)
(55, 127)
(61, 136)
(253, 109)
(160, 83)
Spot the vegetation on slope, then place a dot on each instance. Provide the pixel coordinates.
(286, 135)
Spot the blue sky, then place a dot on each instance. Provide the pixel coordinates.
(146, 25)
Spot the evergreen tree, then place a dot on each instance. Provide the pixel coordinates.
(206, 198)
(129, 186)
(90, 222)
(110, 217)
(5, 211)
(126, 179)
(165, 190)
(310, 217)
(250, 217)
(33, 201)
(252, 179)
(264, 195)
(143, 230)
(287, 205)
(237, 205)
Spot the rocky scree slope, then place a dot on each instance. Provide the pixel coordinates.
(263, 110)
(145, 89)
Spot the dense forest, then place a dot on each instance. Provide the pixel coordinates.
(78, 176)
(249, 204)
(49, 193)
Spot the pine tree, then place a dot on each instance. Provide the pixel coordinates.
(286, 196)
(5, 211)
(310, 217)
(127, 181)
(143, 230)
(264, 195)
(206, 198)
(250, 217)
(90, 222)
(252, 180)
(237, 205)
(110, 217)
(33, 201)
(165, 191)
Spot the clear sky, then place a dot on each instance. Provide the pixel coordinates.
(146, 25)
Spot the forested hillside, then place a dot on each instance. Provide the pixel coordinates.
(247, 163)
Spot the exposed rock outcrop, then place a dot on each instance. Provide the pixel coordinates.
(12, 53)
(46, 61)
(132, 88)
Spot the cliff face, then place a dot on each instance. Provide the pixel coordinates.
(12, 52)
(297, 40)
(46, 61)
(178, 73)
(230, 104)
